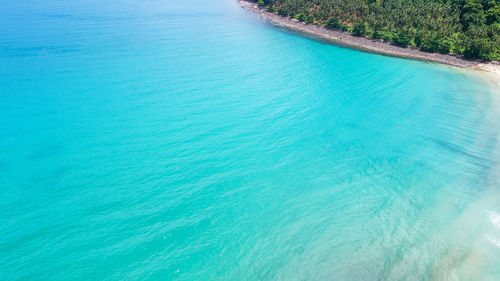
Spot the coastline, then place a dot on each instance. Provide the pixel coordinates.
(346, 39)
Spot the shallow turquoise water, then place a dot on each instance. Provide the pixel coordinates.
(188, 140)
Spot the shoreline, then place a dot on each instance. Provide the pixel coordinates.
(346, 39)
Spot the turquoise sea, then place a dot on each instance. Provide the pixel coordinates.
(190, 140)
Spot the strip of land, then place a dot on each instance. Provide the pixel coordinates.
(374, 46)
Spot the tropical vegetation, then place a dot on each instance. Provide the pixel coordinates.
(467, 27)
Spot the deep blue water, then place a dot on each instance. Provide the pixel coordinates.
(189, 140)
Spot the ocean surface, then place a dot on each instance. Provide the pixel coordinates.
(190, 140)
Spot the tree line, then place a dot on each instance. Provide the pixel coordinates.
(467, 27)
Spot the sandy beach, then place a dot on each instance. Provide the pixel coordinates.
(370, 45)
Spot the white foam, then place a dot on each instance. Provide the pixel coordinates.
(493, 241)
(495, 219)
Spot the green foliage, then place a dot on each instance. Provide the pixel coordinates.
(468, 27)
(430, 46)
(359, 29)
(300, 17)
(493, 14)
(377, 34)
(477, 48)
(387, 36)
(333, 23)
(445, 46)
(309, 19)
(283, 12)
(419, 38)
(402, 39)
(472, 13)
